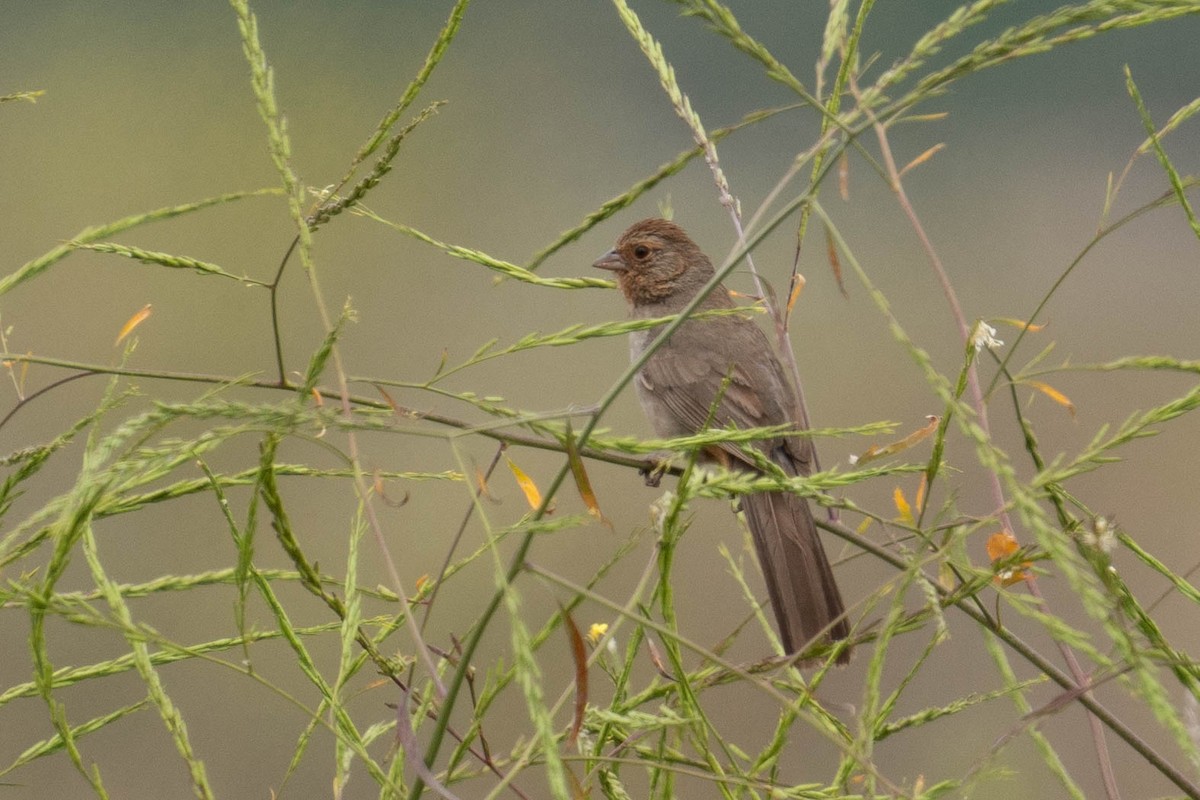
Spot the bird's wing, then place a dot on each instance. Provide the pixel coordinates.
(685, 376)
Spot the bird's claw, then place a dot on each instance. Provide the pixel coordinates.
(654, 469)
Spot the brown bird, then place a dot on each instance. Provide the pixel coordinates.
(660, 270)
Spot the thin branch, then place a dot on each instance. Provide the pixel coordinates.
(979, 405)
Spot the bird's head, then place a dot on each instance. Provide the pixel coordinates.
(655, 259)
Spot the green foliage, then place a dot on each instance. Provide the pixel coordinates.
(655, 727)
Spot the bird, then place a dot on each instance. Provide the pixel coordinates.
(720, 371)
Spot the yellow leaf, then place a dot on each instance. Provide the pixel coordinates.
(528, 487)
(1053, 394)
(798, 282)
(862, 526)
(134, 321)
(902, 506)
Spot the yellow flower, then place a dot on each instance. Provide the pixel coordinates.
(597, 631)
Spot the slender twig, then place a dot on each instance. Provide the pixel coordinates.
(979, 405)
(1068, 682)
(462, 527)
(280, 148)
(276, 335)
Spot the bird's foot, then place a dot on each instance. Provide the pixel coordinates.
(655, 467)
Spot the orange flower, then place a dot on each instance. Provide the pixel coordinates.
(1001, 546)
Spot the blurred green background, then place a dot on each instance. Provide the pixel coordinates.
(552, 110)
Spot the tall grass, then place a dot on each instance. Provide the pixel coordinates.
(641, 713)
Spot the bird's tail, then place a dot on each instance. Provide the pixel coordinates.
(804, 595)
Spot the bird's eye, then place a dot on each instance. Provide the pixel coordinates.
(641, 251)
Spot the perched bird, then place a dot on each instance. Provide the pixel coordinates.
(660, 270)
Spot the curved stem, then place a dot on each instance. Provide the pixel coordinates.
(273, 288)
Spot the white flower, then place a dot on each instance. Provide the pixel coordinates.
(983, 336)
(321, 195)
(1101, 536)
(660, 508)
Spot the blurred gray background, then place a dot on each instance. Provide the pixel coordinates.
(552, 110)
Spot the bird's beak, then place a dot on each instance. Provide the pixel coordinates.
(611, 261)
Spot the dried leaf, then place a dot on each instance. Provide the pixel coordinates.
(134, 321)
(532, 495)
(582, 483)
(873, 452)
(921, 159)
(921, 487)
(579, 655)
(1053, 394)
(387, 398)
(656, 659)
(835, 263)
(866, 455)
(1021, 324)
